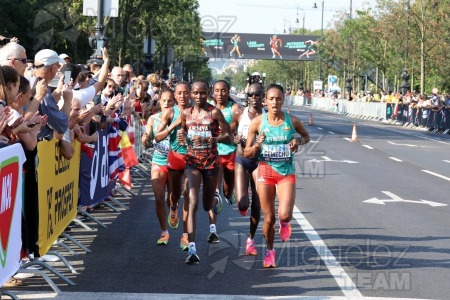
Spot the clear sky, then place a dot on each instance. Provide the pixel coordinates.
(271, 16)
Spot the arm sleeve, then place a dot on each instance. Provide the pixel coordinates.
(56, 119)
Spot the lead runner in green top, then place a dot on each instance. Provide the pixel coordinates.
(275, 147)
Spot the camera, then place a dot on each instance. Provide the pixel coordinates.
(254, 78)
(4, 41)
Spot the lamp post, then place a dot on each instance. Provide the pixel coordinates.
(321, 38)
(348, 87)
(98, 39)
(297, 21)
(405, 87)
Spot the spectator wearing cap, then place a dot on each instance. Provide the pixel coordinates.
(47, 62)
(14, 55)
(66, 58)
(257, 78)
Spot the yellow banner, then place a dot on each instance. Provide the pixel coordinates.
(57, 191)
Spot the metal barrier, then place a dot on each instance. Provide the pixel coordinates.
(435, 119)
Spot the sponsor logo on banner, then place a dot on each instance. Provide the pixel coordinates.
(58, 191)
(94, 177)
(9, 176)
(11, 161)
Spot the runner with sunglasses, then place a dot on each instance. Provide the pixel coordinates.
(246, 168)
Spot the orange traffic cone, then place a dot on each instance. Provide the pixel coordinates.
(310, 123)
(354, 134)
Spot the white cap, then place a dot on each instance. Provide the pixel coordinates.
(256, 74)
(47, 57)
(63, 55)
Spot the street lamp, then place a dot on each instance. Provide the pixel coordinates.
(98, 40)
(290, 27)
(321, 39)
(297, 21)
(405, 87)
(349, 88)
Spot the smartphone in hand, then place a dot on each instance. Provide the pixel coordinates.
(67, 77)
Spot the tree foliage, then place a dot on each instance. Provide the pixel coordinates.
(61, 26)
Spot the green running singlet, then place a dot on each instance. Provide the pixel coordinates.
(275, 149)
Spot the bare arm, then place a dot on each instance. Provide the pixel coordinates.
(147, 136)
(236, 113)
(162, 132)
(252, 149)
(304, 138)
(103, 72)
(33, 106)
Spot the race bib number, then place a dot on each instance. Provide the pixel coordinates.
(162, 147)
(276, 152)
(203, 134)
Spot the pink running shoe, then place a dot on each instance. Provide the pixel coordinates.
(269, 259)
(285, 231)
(250, 248)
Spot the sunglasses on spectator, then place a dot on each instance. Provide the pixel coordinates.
(254, 94)
(23, 60)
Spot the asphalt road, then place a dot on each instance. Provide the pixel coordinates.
(395, 245)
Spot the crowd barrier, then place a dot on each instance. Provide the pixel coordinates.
(435, 119)
(11, 186)
(90, 177)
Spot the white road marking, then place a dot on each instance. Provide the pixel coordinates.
(348, 139)
(344, 281)
(320, 128)
(395, 198)
(331, 132)
(396, 159)
(437, 175)
(153, 296)
(447, 161)
(410, 145)
(368, 147)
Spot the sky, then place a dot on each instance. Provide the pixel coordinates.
(271, 16)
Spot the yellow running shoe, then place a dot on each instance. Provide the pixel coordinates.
(164, 239)
(184, 242)
(172, 219)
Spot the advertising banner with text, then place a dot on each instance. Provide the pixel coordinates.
(11, 161)
(259, 46)
(94, 177)
(58, 191)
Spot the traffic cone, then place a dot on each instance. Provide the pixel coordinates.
(310, 123)
(354, 134)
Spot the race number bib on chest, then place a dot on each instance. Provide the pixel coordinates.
(163, 147)
(202, 131)
(276, 152)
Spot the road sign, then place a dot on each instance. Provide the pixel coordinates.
(395, 198)
(318, 85)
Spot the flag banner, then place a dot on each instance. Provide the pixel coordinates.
(227, 45)
(94, 173)
(128, 154)
(57, 191)
(11, 186)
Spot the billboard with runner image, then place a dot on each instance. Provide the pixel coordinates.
(259, 46)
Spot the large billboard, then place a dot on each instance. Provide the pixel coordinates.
(259, 46)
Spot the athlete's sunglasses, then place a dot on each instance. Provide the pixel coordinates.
(254, 94)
